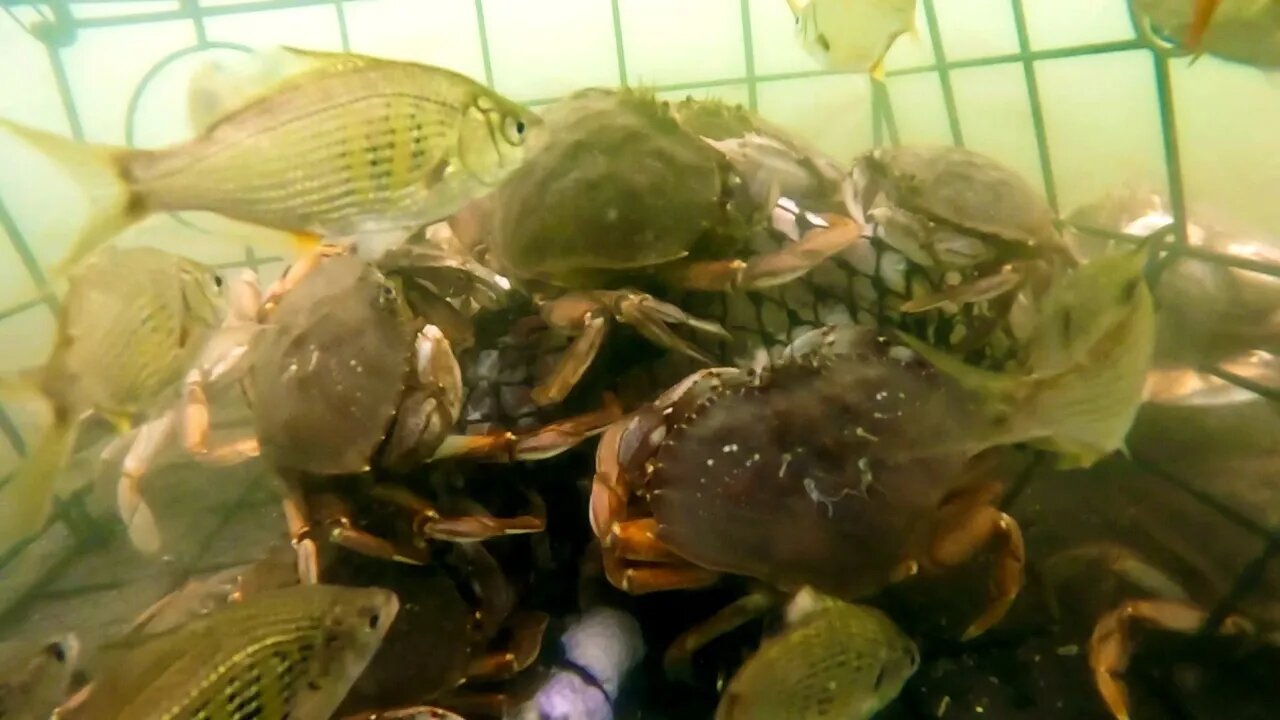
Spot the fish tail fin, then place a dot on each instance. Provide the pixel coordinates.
(25, 501)
(98, 172)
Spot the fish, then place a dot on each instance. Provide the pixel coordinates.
(600, 648)
(131, 322)
(832, 659)
(35, 676)
(852, 35)
(219, 85)
(289, 653)
(1244, 32)
(353, 146)
(1077, 388)
(200, 596)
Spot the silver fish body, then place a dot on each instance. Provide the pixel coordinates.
(290, 653)
(333, 146)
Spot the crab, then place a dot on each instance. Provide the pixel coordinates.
(1121, 551)
(473, 630)
(461, 606)
(623, 201)
(849, 466)
(980, 243)
(345, 376)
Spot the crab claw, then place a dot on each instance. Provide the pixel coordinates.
(583, 316)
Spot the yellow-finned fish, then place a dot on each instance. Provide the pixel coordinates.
(1246, 32)
(290, 653)
(131, 323)
(1079, 387)
(833, 660)
(852, 35)
(353, 146)
(35, 677)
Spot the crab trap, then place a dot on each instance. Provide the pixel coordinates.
(1091, 102)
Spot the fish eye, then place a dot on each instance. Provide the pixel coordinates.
(513, 129)
(217, 280)
(57, 652)
(374, 620)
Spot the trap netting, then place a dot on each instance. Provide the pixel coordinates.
(1075, 95)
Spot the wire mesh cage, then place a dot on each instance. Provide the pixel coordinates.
(1081, 97)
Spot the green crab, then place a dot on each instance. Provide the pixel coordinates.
(620, 202)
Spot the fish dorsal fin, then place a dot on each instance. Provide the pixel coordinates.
(218, 93)
(134, 661)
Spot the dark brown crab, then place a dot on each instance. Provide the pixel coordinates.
(849, 466)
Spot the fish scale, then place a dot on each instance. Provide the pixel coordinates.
(338, 147)
(290, 653)
(349, 145)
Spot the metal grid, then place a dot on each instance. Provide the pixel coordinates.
(57, 24)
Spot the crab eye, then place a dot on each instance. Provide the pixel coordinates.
(374, 619)
(513, 128)
(217, 280)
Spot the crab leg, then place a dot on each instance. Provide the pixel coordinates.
(466, 528)
(773, 268)
(1111, 645)
(562, 435)
(527, 630)
(583, 316)
(296, 272)
(675, 661)
(656, 578)
(1117, 559)
(134, 511)
(220, 356)
(583, 320)
(966, 526)
(637, 540)
(327, 518)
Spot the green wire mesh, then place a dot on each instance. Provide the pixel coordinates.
(56, 24)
